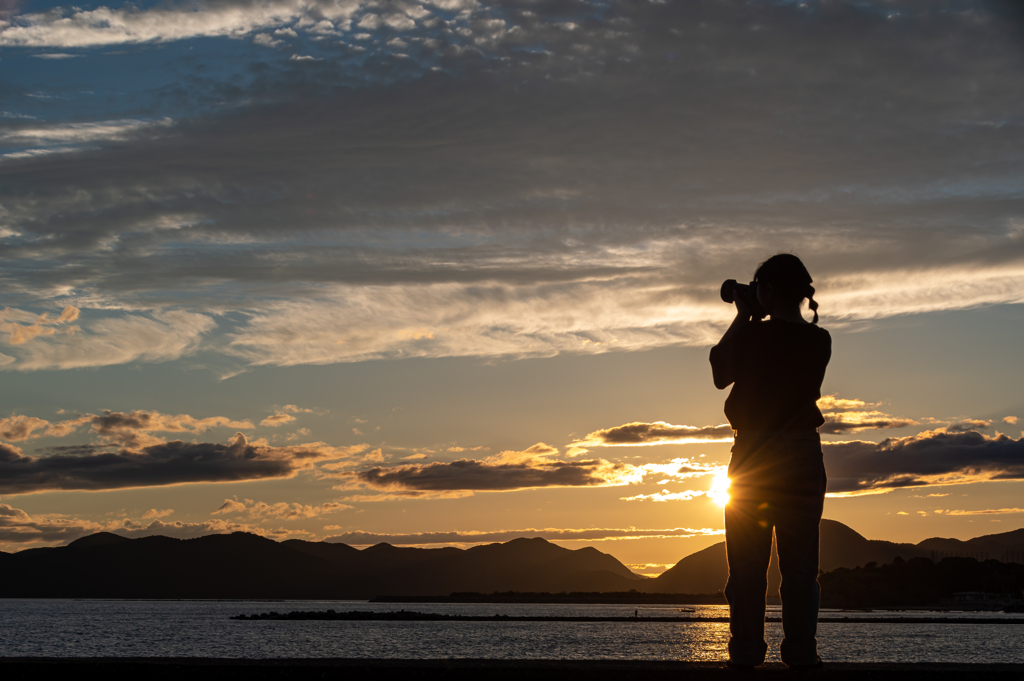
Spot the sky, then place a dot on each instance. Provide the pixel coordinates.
(446, 273)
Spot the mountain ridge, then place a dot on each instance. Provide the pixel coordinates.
(840, 547)
(244, 565)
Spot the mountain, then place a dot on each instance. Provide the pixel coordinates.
(998, 546)
(243, 565)
(706, 571)
(247, 566)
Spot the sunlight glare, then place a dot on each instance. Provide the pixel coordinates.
(719, 492)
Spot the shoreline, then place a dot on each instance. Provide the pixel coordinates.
(458, 669)
(412, 616)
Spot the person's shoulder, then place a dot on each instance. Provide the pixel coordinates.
(822, 338)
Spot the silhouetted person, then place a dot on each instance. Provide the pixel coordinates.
(776, 368)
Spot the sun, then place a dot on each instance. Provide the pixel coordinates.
(719, 492)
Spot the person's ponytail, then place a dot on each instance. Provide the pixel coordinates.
(812, 303)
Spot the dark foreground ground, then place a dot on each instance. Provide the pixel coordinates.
(197, 669)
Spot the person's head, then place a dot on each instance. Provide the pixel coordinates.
(788, 281)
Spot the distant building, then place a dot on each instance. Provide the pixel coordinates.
(982, 600)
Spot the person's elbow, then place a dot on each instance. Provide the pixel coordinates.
(720, 366)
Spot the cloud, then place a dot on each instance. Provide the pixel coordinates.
(18, 527)
(73, 27)
(857, 421)
(231, 506)
(432, 220)
(281, 510)
(275, 420)
(665, 495)
(159, 337)
(130, 429)
(509, 470)
(186, 530)
(683, 468)
(18, 427)
(929, 458)
(38, 133)
(487, 537)
(169, 463)
(402, 495)
(965, 425)
(659, 432)
(266, 40)
(836, 403)
(987, 511)
(112, 422)
(1012, 420)
(41, 326)
(448, 320)
(853, 416)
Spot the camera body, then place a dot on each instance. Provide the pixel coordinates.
(746, 293)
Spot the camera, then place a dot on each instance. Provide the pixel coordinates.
(747, 293)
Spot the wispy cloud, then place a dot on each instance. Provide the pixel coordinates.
(275, 420)
(42, 325)
(281, 510)
(358, 538)
(987, 511)
(159, 337)
(73, 27)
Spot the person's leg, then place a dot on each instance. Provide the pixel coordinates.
(796, 536)
(748, 543)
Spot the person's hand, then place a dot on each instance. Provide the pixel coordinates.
(742, 309)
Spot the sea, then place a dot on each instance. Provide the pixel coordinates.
(138, 628)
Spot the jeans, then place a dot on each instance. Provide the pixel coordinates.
(777, 485)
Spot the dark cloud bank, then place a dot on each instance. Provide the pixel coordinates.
(468, 474)
(930, 458)
(169, 463)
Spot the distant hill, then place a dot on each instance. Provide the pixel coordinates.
(706, 571)
(991, 545)
(243, 565)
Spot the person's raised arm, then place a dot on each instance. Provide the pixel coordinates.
(725, 355)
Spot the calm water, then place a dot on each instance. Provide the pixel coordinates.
(72, 628)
